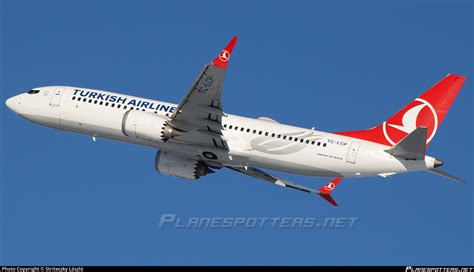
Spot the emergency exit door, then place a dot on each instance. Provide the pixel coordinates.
(352, 154)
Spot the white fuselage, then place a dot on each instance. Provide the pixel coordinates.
(260, 143)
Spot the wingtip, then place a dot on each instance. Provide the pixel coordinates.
(223, 58)
(325, 191)
(456, 77)
(328, 198)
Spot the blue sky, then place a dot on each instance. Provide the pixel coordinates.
(335, 66)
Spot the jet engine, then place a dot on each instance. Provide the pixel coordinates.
(143, 125)
(178, 166)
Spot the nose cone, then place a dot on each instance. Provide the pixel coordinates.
(10, 103)
(13, 103)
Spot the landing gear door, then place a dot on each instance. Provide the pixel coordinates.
(352, 154)
(56, 98)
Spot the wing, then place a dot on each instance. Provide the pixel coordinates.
(198, 117)
(324, 192)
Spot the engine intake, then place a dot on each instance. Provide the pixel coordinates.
(178, 166)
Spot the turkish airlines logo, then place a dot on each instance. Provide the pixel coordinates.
(421, 113)
(224, 56)
(330, 186)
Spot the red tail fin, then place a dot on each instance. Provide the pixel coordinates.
(427, 110)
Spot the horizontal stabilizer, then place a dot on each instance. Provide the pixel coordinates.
(446, 175)
(412, 147)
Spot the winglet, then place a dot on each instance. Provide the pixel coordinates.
(325, 191)
(224, 56)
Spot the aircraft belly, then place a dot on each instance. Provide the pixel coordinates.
(291, 165)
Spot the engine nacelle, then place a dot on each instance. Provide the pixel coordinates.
(182, 167)
(143, 125)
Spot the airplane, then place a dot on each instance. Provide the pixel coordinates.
(196, 137)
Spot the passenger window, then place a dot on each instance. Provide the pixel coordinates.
(254, 131)
(260, 132)
(241, 129)
(319, 143)
(101, 102)
(230, 127)
(248, 130)
(95, 101)
(266, 133)
(290, 138)
(324, 145)
(73, 98)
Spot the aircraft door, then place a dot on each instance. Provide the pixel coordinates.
(56, 98)
(352, 153)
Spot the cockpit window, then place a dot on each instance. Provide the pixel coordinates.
(33, 91)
